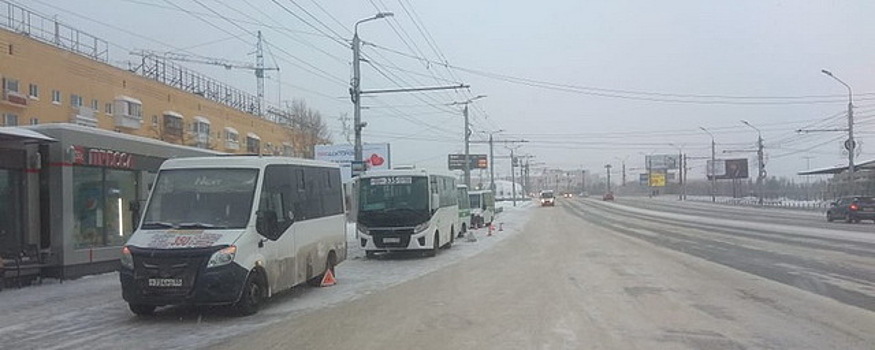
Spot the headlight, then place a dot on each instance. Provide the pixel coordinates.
(127, 259)
(362, 229)
(421, 227)
(222, 257)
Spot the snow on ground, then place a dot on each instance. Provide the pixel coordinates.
(89, 312)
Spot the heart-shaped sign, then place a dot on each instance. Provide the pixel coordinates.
(376, 160)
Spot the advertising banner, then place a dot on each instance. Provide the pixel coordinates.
(661, 161)
(374, 156)
(728, 169)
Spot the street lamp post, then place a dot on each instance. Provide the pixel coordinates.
(761, 165)
(356, 90)
(850, 144)
(608, 169)
(711, 167)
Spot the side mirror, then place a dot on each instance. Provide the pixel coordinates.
(266, 224)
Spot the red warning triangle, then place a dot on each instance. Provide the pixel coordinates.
(328, 279)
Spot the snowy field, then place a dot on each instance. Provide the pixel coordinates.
(90, 313)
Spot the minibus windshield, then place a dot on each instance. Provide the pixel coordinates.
(201, 199)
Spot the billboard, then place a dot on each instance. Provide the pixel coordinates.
(661, 161)
(475, 161)
(657, 180)
(374, 156)
(728, 169)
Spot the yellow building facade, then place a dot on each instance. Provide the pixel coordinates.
(43, 83)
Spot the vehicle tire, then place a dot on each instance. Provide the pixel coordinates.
(848, 219)
(829, 218)
(329, 265)
(463, 231)
(252, 296)
(142, 309)
(452, 239)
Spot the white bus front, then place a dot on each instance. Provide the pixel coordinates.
(395, 213)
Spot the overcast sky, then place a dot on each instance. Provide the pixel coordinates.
(586, 83)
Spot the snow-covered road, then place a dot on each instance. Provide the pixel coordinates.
(89, 312)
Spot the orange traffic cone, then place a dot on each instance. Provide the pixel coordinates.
(328, 279)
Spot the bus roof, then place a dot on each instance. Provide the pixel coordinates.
(402, 172)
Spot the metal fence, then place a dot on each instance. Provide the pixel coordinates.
(48, 30)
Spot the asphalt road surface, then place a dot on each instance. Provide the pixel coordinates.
(637, 274)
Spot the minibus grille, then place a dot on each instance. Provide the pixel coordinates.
(392, 238)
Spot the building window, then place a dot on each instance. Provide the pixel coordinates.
(95, 105)
(75, 100)
(107, 108)
(253, 144)
(10, 85)
(100, 205)
(33, 91)
(232, 138)
(56, 96)
(172, 125)
(10, 119)
(201, 130)
(34, 121)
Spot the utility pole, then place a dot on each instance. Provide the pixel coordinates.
(711, 167)
(850, 144)
(807, 182)
(356, 92)
(512, 177)
(608, 169)
(467, 167)
(491, 143)
(761, 164)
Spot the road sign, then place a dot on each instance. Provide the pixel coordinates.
(850, 145)
(476, 161)
(661, 161)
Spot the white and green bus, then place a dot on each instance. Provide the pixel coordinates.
(406, 209)
(482, 208)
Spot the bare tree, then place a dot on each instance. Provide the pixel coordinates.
(309, 128)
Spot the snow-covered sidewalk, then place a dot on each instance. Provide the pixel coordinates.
(89, 312)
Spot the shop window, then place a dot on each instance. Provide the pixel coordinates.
(107, 108)
(232, 139)
(101, 199)
(33, 91)
(56, 97)
(288, 150)
(34, 121)
(10, 119)
(95, 105)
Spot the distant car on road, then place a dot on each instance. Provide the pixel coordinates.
(567, 195)
(852, 209)
(608, 197)
(547, 198)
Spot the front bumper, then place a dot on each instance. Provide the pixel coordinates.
(200, 286)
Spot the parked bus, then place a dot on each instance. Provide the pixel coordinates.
(482, 208)
(406, 209)
(464, 208)
(234, 230)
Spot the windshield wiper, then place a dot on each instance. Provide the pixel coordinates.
(196, 225)
(156, 224)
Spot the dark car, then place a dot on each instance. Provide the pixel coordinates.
(608, 197)
(852, 209)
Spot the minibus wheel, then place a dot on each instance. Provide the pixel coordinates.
(436, 246)
(142, 309)
(252, 296)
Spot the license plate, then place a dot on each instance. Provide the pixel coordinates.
(391, 240)
(165, 282)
